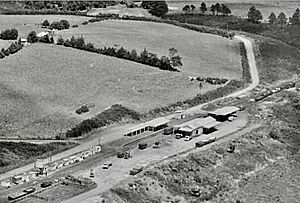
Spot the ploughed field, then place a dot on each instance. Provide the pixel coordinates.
(202, 55)
(26, 23)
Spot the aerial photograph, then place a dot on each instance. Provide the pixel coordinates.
(128, 101)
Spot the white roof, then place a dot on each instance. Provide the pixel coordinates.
(212, 124)
(195, 124)
(225, 110)
(152, 123)
(42, 34)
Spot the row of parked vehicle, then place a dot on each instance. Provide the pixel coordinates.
(269, 92)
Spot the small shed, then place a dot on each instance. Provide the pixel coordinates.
(224, 113)
(42, 34)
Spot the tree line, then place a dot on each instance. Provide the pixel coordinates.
(170, 63)
(12, 49)
(9, 34)
(282, 19)
(112, 115)
(215, 9)
(58, 25)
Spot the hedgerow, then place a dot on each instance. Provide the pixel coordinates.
(245, 63)
(112, 115)
(12, 49)
(145, 57)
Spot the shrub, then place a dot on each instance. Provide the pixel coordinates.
(9, 34)
(32, 38)
(84, 22)
(74, 26)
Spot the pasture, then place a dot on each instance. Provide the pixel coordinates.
(203, 55)
(43, 85)
(26, 23)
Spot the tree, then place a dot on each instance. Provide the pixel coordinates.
(11, 34)
(134, 55)
(32, 38)
(213, 9)
(225, 10)
(218, 8)
(193, 8)
(45, 23)
(272, 18)
(65, 24)
(203, 7)
(254, 15)
(186, 8)
(175, 58)
(281, 20)
(156, 8)
(295, 19)
(60, 41)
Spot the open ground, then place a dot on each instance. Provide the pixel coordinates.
(25, 24)
(202, 55)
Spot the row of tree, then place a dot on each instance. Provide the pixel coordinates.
(9, 34)
(215, 9)
(13, 48)
(112, 115)
(282, 19)
(170, 63)
(58, 25)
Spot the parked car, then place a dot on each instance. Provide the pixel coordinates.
(46, 184)
(178, 136)
(127, 155)
(205, 142)
(106, 165)
(187, 138)
(156, 145)
(143, 145)
(136, 170)
(168, 131)
(120, 154)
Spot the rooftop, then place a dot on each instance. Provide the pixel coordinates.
(212, 124)
(152, 123)
(196, 123)
(225, 110)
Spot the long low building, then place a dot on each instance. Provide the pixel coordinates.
(197, 126)
(224, 113)
(153, 125)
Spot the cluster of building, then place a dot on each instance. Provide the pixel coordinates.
(42, 168)
(204, 125)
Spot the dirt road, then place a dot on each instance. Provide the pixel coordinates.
(253, 71)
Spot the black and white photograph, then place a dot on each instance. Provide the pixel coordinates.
(129, 101)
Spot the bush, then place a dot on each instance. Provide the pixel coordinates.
(61, 25)
(32, 38)
(82, 109)
(13, 48)
(11, 34)
(114, 114)
(74, 26)
(84, 22)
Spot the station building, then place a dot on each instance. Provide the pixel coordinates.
(153, 125)
(197, 126)
(224, 113)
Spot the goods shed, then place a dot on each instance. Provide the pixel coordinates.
(197, 126)
(153, 125)
(224, 113)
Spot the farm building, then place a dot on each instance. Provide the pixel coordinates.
(180, 114)
(224, 113)
(197, 126)
(153, 125)
(42, 34)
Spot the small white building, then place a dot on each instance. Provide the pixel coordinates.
(42, 34)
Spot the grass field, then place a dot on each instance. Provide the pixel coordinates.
(202, 54)
(25, 24)
(43, 85)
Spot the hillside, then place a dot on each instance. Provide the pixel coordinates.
(202, 54)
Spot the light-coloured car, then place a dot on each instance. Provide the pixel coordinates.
(106, 165)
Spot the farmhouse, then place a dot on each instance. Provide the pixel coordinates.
(42, 34)
(153, 125)
(197, 126)
(224, 113)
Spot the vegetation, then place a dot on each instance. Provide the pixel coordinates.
(245, 64)
(9, 34)
(82, 109)
(254, 15)
(156, 8)
(15, 154)
(212, 81)
(145, 57)
(112, 115)
(12, 49)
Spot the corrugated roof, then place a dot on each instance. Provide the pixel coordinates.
(195, 124)
(212, 124)
(225, 110)
(152, 123)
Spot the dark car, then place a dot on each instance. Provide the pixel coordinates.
(135, 171)
(120, 154)
(143, 145)
(46, 184)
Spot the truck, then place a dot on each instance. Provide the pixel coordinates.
(136, 170)
(205, 142)
(143, 145)
(168, 131)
